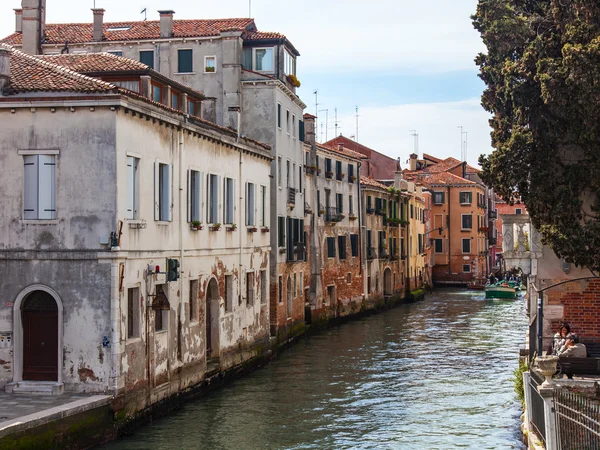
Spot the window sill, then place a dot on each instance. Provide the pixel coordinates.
(133, 340)
(184, 73)
(39, 222)
(213, 72)
(163, 223)
(466, 229)
(160, 331)
(465, 204)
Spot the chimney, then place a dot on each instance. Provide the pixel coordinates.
(309, 129)
(19, 20)
(4, 68)
(413, 162)
(98, 34)
(34, 19)
(340, 146)
(166, 23)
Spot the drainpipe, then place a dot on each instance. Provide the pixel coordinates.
(115, 325)
(181, 253)
(360, 233)
(241, 195)
(449, 221)
(39, 46)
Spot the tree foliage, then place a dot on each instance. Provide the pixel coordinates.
(542, 76)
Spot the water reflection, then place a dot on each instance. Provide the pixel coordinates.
(431, 375)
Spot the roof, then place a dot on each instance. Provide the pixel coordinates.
(349, 143)
(77, 33)
(446, 179)
(95, 62)
(443, 166)
(342, 151)
(31, 74)
(431, 158)
(372, 183)
(105, 63)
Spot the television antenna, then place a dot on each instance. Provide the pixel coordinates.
(415, 136)
(326, 123)
(145, 13)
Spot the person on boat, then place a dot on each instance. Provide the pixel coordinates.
(573, 348)
(560, 338)
(493, 279)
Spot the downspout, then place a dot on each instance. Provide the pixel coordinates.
(360, 233)
(449, 221)
(39, 40)
(408, 253)
(115, 325)
(237, 140)
(181, 252)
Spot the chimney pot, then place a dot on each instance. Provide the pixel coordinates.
(98, 34)
(166, 23)
(413, 162)
(19, 20)
(4, 68)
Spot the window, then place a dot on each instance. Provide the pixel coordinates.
(263, 206)
(156, 93)
(213, 199)
(132, 187)
(301, 130)
(412, 212)
(161, 317)
(300, 179)
(192, 108)
(295, 286)
(194, 196)
(349, 279)
(467, 221)
(331, 247)
(354, 244)
(420, 243)
(340, 203)
(338, 170)
(296, 249)
(210, 64)
(518, 211)
(279, 115)
(287, 173)
(116, 53)
(439, 245)
(350, 205)
(229, 192)
(279, 171)
(264, 287)
(289, 63)
(294, 175)
(465, 198)
(185, 61)
(438, 198)
(328, 165)
(39, 196)
(249, 288)
(342, 246)
(162, 192)
(280, 289)
(281, 231)
(287, 121)
(250, 204)
(263, 59)
(350, 172)
(293, 125)
(466, 245)
(175, 100)
(133, 313)
(147, 57)
(466, 268)
(369, 202)
(228, 293)
(193, 303)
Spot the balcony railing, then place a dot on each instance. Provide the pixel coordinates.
(333, 215)
(339, 176)
(371, 253)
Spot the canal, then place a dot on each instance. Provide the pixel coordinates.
(431, 375)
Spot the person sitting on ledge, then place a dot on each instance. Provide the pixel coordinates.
(561, 337)
(573, 348)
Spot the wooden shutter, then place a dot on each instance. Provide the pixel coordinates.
(47, 187)
(156, 191)
(170, 199)
(189, 195)
(31, 189)
(130, 187)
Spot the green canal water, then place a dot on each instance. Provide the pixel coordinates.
(430, 375)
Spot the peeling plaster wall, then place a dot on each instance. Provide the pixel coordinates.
(61, 254)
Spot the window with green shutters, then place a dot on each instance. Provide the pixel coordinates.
(185, 61)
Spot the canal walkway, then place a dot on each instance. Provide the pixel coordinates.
(435, 374)
(20, 412)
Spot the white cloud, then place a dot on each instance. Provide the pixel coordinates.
(388, 129)
(393, 36)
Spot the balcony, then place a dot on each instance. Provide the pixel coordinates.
(332, 215)
(371, 253)
(291, 196)
(339, 176)
(329, 174)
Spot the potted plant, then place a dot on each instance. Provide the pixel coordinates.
(196, 225)
(321, 212)
(293, 80)
(231, 227)
(265, 229)
(352, 217)
(370, 210)
(329, 174)
(215, 227)
(352, 178)
(252, 229)
(209, 69)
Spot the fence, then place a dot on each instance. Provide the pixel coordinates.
(538, 419)
(577, 421)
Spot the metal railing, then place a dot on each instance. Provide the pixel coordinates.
(291, 196)
(577, 421)
(538, 420)
(332, 214)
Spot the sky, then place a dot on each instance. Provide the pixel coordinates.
(407, 65)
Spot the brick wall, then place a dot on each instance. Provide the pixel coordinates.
(581, 302)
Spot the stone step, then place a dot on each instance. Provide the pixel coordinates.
(35, 387)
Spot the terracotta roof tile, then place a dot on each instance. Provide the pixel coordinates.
(443, 166)
(431, 158)
(95, 62)
(372, 183)
(131, 31)
(342, 151)
(444, 178)
(258, 35)
(31, 74)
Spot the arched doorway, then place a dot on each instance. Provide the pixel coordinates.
(39, 315)
(289, 297)
(387, 282)
(212, 319)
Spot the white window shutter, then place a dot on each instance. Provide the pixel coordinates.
(171, 202)
(47, 187)
(200, 196)
(30, 186)
(189, 195)
(156, 191)
(247, 205)
(130, 187)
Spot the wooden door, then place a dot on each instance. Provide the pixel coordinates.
(208, 324)
(40, 338)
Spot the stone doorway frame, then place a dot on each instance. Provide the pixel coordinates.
(18, 351)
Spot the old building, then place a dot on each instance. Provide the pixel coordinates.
(248, 78)
(135, 237)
